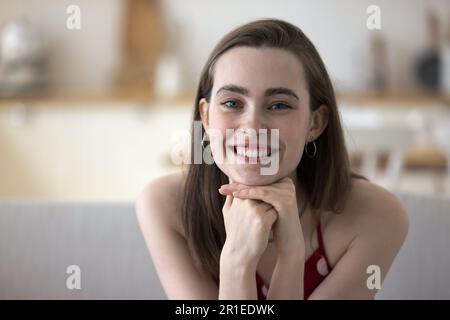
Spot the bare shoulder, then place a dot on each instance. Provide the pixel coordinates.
(372, 206)
(369, 232)
(162, 196)
(370, 215)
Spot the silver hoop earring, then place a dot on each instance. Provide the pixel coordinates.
(204, 143)
(309, 153)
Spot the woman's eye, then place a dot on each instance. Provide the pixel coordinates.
(279, 106)
(231, 104)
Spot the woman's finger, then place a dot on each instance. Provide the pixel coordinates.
(229, 189)
(268, 194)
(284, 183)
(228, 201)
(273, 216)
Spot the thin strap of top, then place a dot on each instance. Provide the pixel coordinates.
(321, 247)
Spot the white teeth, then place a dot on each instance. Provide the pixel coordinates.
(252, 153)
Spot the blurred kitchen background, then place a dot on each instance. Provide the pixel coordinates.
(94, 113)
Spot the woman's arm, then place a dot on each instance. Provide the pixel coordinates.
(247, 225)
(168, 249)
(287, 278)
(180, 279)
(380, 225)
(237, 278)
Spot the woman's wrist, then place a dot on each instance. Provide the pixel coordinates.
(235, 258)
(293, 256)
(237, 277)
(236, 272)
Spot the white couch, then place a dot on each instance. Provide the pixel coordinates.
(39, 240)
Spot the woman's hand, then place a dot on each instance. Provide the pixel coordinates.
(247, 224)
(281, 196)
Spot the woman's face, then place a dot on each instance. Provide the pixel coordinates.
(258, 88)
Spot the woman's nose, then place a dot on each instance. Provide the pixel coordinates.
(254, 119)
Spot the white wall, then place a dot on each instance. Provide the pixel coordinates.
(87, 151)
(85, 59)
(337, 28)
(79, 59)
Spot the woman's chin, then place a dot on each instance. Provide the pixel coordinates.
(252, 178)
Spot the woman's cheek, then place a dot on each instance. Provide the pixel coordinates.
(217, 142)
(293, 149)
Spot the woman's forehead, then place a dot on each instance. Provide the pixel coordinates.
(258, 69)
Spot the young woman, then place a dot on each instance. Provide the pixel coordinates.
(209, 229)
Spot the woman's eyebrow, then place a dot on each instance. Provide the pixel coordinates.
(233, 88)
(280, 90)
(269, 92)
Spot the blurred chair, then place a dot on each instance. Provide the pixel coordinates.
(440, 131)
(367, 132)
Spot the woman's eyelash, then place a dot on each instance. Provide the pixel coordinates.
(228, 102)
(281, 104)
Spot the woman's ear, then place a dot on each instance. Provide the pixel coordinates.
(319, 121)
(203, 107)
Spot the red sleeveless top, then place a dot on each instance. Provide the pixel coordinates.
(317, 267)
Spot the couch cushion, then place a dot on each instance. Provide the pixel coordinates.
(421, 269)
(39, 240)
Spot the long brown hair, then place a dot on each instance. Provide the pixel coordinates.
(326, 177)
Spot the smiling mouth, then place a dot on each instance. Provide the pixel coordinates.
(259, 154)
(252, 153)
